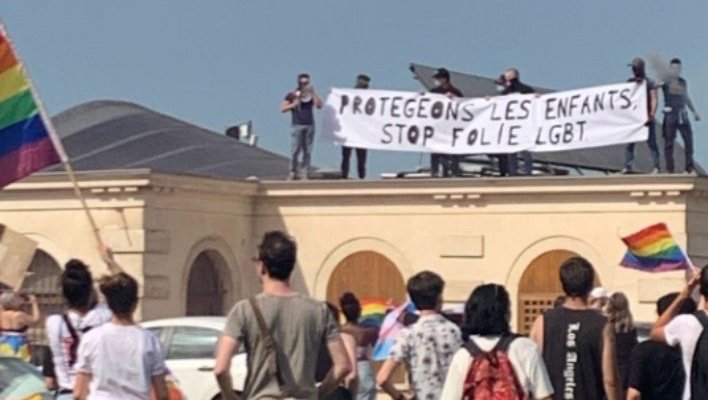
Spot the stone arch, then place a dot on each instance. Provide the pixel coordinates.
(361, 244)
(210, 278)
(551, 249)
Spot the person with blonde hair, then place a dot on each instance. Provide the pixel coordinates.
(620, 316)
(14, 323)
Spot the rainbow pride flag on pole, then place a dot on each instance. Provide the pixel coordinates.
(27, 139)
(653, 249)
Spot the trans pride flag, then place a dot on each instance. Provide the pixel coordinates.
(391, 326)
(26, 141)
(653, 249)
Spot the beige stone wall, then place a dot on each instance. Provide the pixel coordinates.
(470, 231)
(480, 231)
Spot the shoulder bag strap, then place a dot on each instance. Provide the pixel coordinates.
(268, 341)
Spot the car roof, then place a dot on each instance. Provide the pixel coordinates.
(212, 322)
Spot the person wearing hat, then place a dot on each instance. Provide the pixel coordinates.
(509, 163)
(599, 298)
(640, 76)
(450, 163)
(676, 100)
(362, 82)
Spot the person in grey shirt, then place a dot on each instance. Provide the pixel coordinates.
(676, 100)
(298, 324)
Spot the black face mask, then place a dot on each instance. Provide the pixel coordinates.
(639, 72)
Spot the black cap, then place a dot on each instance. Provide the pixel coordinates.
(363, 77)
(442, 73)
(676, 61)
(637, 62)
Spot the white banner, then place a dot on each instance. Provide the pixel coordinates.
(408, 121)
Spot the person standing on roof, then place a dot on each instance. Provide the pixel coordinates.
(362, 82)
(676, 100)
(640, 76)
(450, 164)
(512, 85)
(301, 103)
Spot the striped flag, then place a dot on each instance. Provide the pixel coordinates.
(27, 141)
(390, 328)
(653, 249)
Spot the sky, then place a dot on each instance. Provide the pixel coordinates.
(218, 62)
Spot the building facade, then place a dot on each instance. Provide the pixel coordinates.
(190, 240)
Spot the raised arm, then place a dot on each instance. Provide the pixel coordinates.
(109, 258)
(289, 103)
(658, 333)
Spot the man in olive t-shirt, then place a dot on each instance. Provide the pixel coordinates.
(299, 325)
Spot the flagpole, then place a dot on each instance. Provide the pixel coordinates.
(56, 141)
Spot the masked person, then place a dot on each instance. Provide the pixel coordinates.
(676, 100)
(301, 103)
(639, 76)
(362, 82)
(450, 164)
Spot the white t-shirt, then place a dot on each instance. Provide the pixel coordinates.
(685, 331)
(524, 356)
(122, 359)
(60, 339)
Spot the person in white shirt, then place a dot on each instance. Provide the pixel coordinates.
(487, 315)
(120, 360)
(686, 329)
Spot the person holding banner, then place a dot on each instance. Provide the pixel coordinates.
(450, 164)
(362, 82)
(512, 84)
(640, 76)
(301, 103)
(676, 100)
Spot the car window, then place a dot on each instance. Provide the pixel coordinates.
(19, 380)
(161, 334)
(190, 342)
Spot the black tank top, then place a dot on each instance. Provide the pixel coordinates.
(572, 350)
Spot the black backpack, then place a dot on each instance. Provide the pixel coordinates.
(699, 365)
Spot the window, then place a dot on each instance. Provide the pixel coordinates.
(189, 342)
(161, 334)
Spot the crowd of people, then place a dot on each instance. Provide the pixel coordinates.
(585, 347)
(302, 102)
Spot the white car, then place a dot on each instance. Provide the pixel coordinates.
(189, 344)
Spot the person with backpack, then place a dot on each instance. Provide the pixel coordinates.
(577, 342)
(426, 347)
(64, 331)
(495, 363)
(691, 333)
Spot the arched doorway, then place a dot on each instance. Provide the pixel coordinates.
(540, 286)
(207, 285)
(371, 276)
(43, 280)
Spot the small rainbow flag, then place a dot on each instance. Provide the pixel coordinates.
(653, 249)
(26, 144)
(373, 312)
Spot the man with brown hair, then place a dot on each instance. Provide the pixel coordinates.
(282, 331)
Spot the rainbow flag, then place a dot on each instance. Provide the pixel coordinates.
(373, 312)
(26, 144)
(391, 326)
(653, 249)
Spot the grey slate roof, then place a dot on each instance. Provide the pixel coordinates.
(602, 158)
(103, 135)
